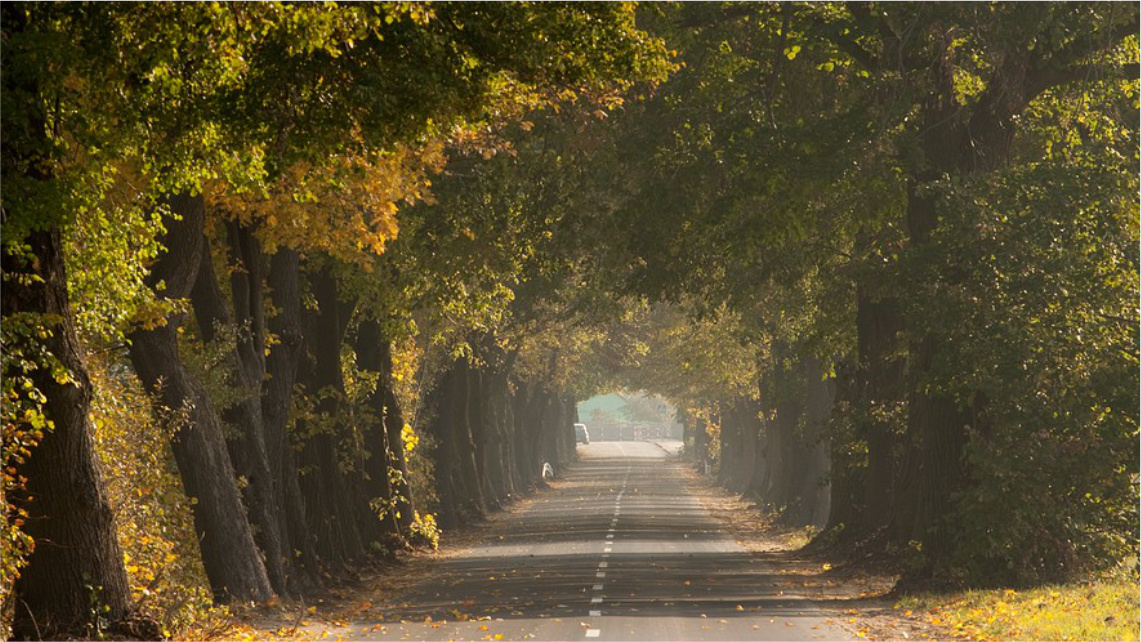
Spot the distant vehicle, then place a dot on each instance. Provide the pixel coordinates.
(581, 435)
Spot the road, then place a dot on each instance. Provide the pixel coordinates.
(620, 550)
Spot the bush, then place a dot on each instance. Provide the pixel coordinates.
(153, 514)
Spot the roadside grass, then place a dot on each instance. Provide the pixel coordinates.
(1104, 609)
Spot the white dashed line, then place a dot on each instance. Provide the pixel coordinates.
(600, 575)
(595, 614)
(603, 565)
(593, 633)
(597, 587)
(596, 600)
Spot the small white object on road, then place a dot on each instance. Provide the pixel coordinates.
(593, 633)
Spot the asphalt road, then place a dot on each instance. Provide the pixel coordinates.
(619, 551)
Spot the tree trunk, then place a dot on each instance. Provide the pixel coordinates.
(229, 554)
(328, 498)
(473, 503)
(457, 477)
(477, 421)
(700, 443)
(814, 493)
(77, 560)
(847, 479)
(276, 400)
(935, 420)
(443, 455)
(394, 426)
(496, 464)
(956, 146)
(731, 435)
(507, 430)
(747, 429)
(248, 450)
(528, 462)
(376, 481)
(880, 384)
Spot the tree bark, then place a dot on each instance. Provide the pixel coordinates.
(880, 385)
(229, 554)
(77, 558)
(376, 481)
(328, 500)
(814, 493)
(394, 427)
(277, 395)
(472, 502)
(248, 450)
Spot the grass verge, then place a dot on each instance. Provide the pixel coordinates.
(1104, 609)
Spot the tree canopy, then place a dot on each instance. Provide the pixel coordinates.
(339, 273)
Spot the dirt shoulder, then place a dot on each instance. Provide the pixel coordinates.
(869, 612)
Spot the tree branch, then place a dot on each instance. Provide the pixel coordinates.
(731, 12)
(1094, 42)
(1043, 80)
(848, 45)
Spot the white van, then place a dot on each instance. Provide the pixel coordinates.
(581, 435)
